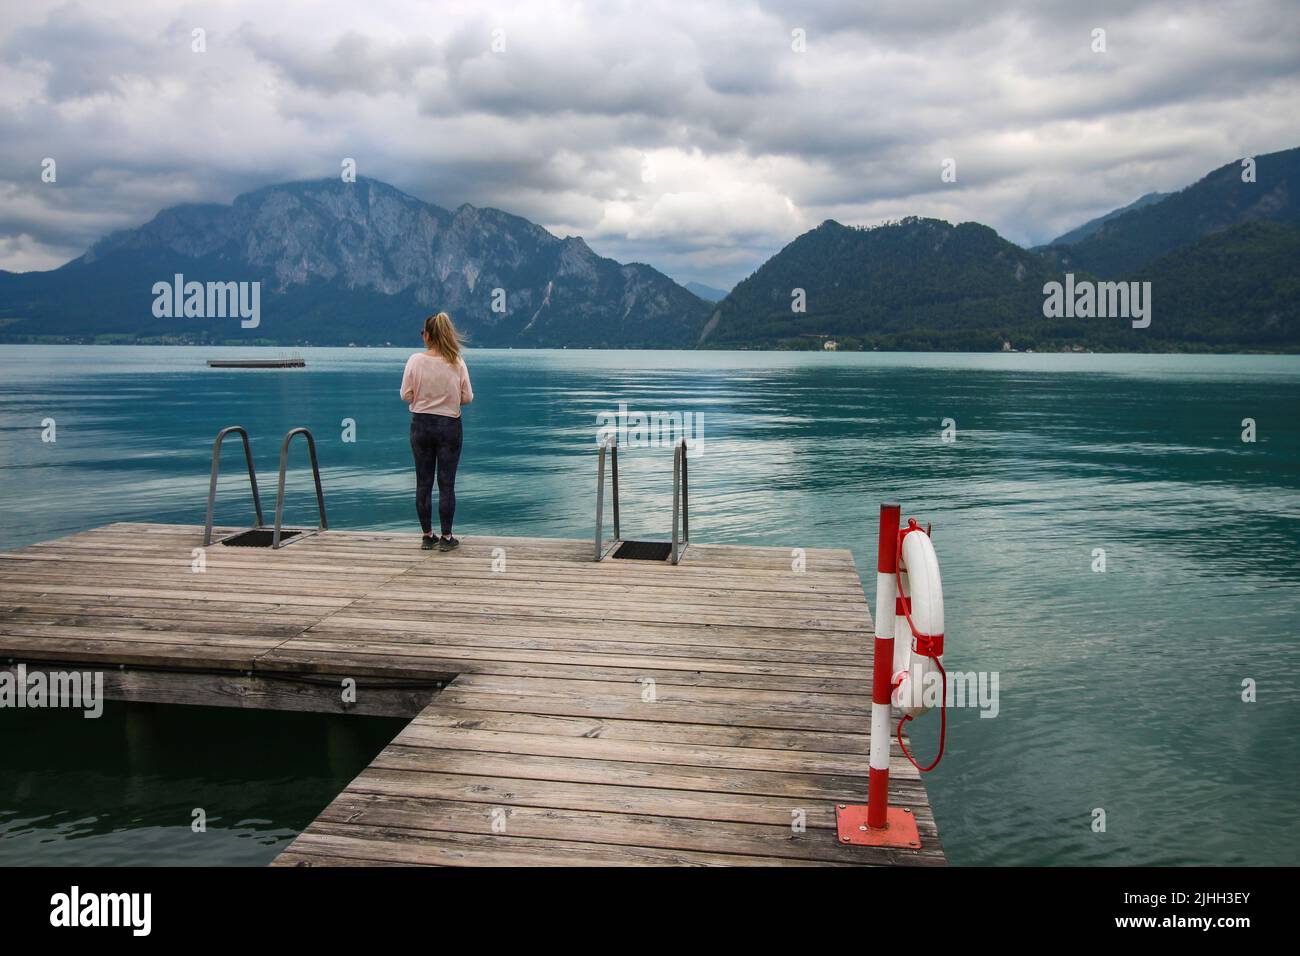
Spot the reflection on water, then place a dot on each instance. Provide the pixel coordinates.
(1119, 690)
(124, 789)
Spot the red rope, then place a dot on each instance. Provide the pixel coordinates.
(926, 645)
(943, 726)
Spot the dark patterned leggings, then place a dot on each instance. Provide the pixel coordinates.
(435, 442)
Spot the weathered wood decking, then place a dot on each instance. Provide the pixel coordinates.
(626, 712)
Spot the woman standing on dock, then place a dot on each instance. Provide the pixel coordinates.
(436, 385)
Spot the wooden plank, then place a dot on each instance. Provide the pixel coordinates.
(562, 640)
(213, 592)
(667, 692)
(509, 614)
(392, 844)
(618, 829)
(255, 693)
(417, 734)
(448, 715)
(796, 787)
(330, 657)
(324, 645)
(719, 805)
(417, 622)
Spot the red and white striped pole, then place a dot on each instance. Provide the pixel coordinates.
(877, 823)
(882, 670)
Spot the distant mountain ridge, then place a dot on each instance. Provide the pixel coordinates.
(914, 284)
(356, 262)
(1220, 257)
(706, 292)
(363, 263)
(1092, 226)
(1220, 200)
(925, 284)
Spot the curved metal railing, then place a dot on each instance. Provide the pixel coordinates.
(279, 495)
(611, 445)
(681, 502)
(212, 485)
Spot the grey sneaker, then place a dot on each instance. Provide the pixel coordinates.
(448, 544)
(429, 543)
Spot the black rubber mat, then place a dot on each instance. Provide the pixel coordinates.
(258, 538)
(644, 550)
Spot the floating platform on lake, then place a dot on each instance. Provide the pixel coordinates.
(258, 363)
(590, 713)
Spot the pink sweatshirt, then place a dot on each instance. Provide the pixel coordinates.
(432, 386)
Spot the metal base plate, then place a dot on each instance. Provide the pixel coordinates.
(258, 538)
(899, 829)
(644, 550)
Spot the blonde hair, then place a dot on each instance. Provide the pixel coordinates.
(440, 335)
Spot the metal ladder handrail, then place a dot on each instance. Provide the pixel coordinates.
(681, 501)
(612, 445)
(680, 485)
(315, 471)
(212, 485)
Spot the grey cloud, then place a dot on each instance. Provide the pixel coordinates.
(80, 56)
(557, 128)
(353, 62)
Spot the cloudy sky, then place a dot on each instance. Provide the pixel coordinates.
(699, 137)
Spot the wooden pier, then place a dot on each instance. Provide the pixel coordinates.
(258, 363)
(612, 713)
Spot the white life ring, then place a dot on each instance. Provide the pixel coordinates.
(916, 678)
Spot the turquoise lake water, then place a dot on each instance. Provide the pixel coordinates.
(1119, 690)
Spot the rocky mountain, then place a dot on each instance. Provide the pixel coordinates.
(1222, 199)
(353, 262)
